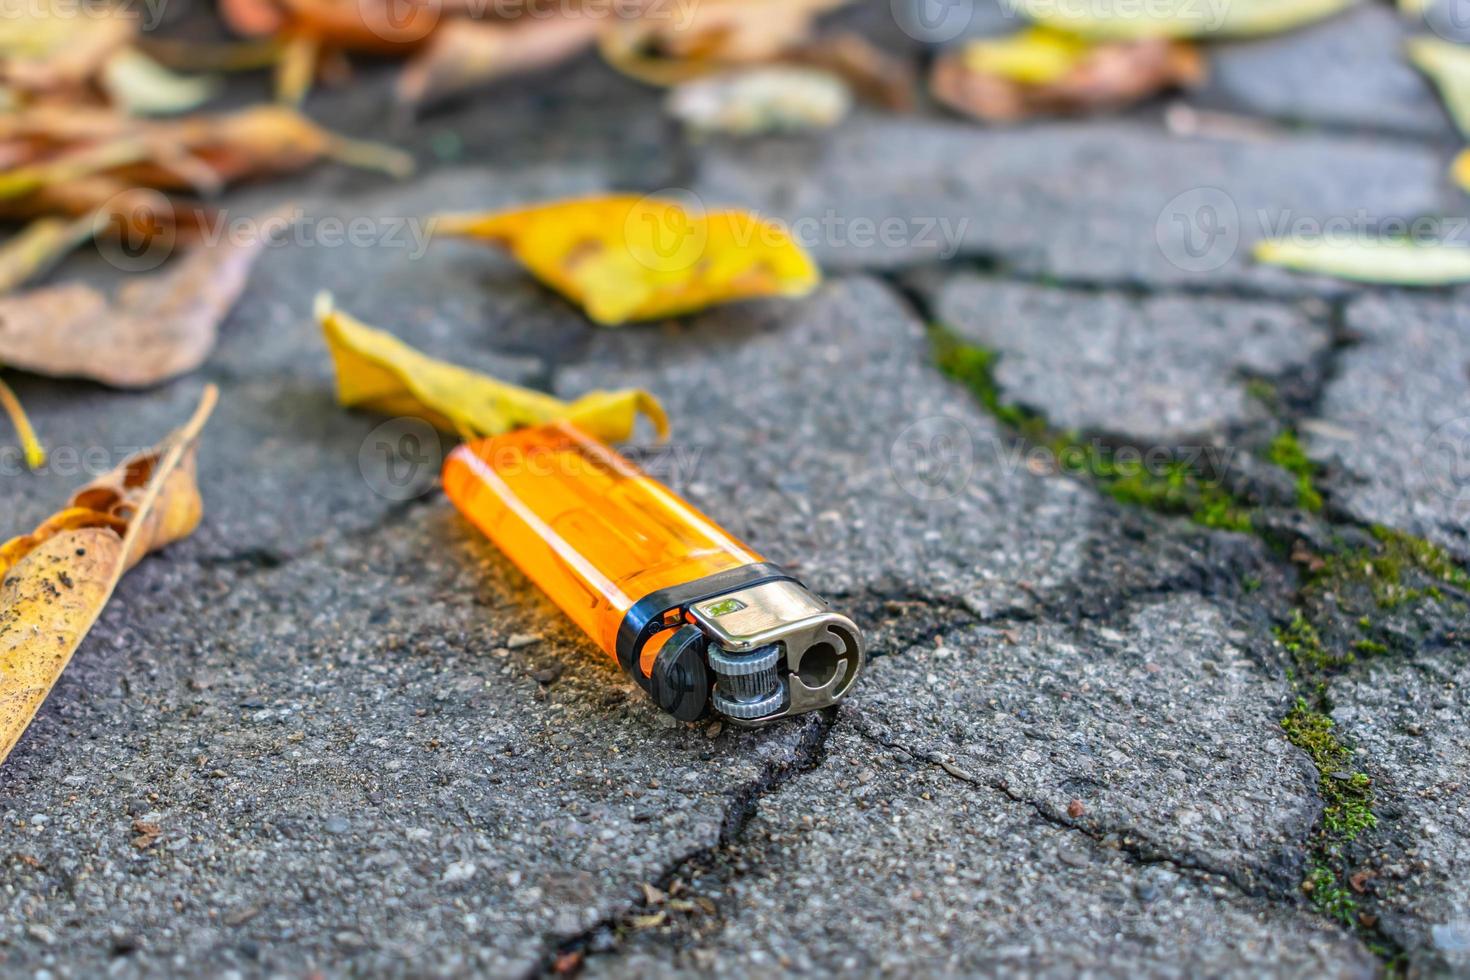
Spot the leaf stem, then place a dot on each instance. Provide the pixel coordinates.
(35, 452)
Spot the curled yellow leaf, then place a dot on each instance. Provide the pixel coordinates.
(638, 258)
(55, 581)
(378, 372)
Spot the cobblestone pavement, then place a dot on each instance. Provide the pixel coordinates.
(1162, 724)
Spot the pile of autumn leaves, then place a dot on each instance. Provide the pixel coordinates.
(103, 138)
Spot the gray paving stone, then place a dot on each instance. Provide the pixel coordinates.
(1348, 71)
(1109, 201)
(1394, 422)
(1159, 370)
(1163, 725)
(348, 771)
(876, 863)
(825, 437)
(1412, 722)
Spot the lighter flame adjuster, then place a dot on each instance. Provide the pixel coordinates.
(702, 623)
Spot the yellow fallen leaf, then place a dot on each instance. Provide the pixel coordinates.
(55, 581)
(378, 372)
(1448, 66)
(1460, 170)
(1391, 261)
(1034, 56)
(638, 258)
(157, 327)
(1179, 18)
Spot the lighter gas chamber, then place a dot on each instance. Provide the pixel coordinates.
(702, 623)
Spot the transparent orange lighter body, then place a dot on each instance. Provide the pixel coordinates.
(589, 527)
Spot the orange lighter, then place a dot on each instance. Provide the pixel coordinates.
(698, 619)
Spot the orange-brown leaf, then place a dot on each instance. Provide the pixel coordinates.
(56, 581)
(252, 18)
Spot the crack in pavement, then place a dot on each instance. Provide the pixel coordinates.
(1135, 847)
(744, 800)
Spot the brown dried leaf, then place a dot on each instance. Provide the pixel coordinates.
(109, 153)
(873, 75)
(157, 327)
(1085, 76)
(55, 581)
(464, 53)
(710, 36)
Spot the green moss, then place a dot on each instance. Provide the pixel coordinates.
(1329, 896)
(1264, 392)
(1347, 795)
(1370, 647)
(1170, 488)
(1305, 645)
(1286, 452)
(1387, 569)
(974, 367)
